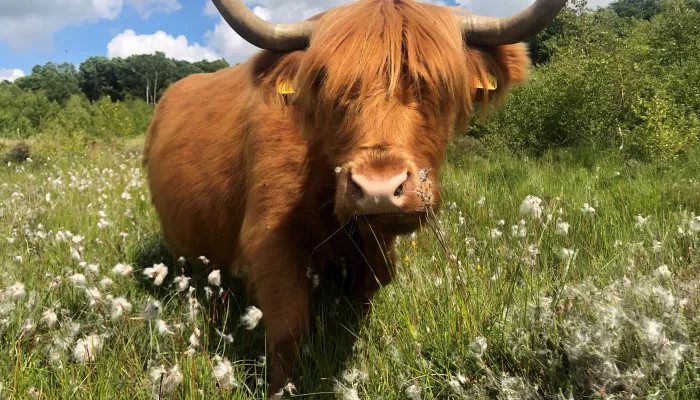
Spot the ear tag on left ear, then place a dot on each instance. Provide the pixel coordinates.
(493, 83)
(285, 87)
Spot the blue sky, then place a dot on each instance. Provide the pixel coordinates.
(37, 31)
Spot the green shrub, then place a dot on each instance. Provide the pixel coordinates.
(19, 153)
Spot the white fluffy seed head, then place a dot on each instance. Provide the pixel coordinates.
(251, 318)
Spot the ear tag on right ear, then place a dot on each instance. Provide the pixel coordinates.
(493, 83)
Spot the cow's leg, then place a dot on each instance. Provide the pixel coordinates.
(283, 291)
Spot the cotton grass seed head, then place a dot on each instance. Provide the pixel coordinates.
(158, 273)
(223, 373)
(251, 318)
(531, 207)
(165, 382)
(214, 278)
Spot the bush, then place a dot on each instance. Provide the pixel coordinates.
(19, 153)
(611, 82)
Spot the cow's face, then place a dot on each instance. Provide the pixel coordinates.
(381, 88)
(386, 153)
(380, 102)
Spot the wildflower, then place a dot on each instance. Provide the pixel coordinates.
(344, 393)
(122, 269)
(694, 224)
(106, 283)
(182, 282)
(77, 239)
(640, 221)
(223, 373)
(192, 308)
(227, 338)
(478, 346)
(15, 292)
(75, 254)
(194, 338)
(157, 273)
(413, 244)
(87, 348)
(618, 243)
(413, 392)
(78, 280)
(654, 332)
(103, 223)
(662, 272)
(251, 318)
(495, 233)
(152, 310)
(562, 228)
(94, 295)
(49, 318)
(204, 260)
(587, 209)
(162, 328)
(565, 254)
(120, 307)
(126, 196)
(214, 278)
(656, 246)
(165, 382)
(531, 206)
(456, 387)
(208, 292)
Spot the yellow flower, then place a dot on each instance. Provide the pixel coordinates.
(413, 244)
(478, 267)
(405, 258)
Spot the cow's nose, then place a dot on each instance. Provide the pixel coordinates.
(380, 194)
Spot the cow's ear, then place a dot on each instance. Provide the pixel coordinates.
(496, 69)
(273, 74)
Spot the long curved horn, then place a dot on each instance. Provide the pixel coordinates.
(260, 33)
(490, 31)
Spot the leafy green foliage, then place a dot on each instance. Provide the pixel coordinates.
(610, 82)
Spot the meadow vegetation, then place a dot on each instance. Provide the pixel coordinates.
(541, 278)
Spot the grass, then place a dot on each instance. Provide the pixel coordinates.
(478, 309)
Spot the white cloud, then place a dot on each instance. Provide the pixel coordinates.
(129, 43)
(210, 9)
(31, 23)
(10, 74)
(225, 41)
(505, 8)
(146, 8)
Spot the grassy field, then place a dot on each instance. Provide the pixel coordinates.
(588, 289)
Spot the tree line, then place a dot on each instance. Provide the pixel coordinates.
(143, 76)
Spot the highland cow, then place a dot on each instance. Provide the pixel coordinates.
(325, 146)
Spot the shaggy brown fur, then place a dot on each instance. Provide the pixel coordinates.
(248, 180)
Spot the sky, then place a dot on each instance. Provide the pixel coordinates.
(38, 31)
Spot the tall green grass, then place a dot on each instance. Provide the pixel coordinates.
(478, 309)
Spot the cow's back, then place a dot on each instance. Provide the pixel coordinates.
(194, 158)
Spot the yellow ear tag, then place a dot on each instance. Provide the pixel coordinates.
(493, 83)
(285, 87)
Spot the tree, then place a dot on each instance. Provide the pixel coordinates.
(58, 81)
(98, 77)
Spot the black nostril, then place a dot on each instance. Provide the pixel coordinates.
(399, 191)
(354, 188)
